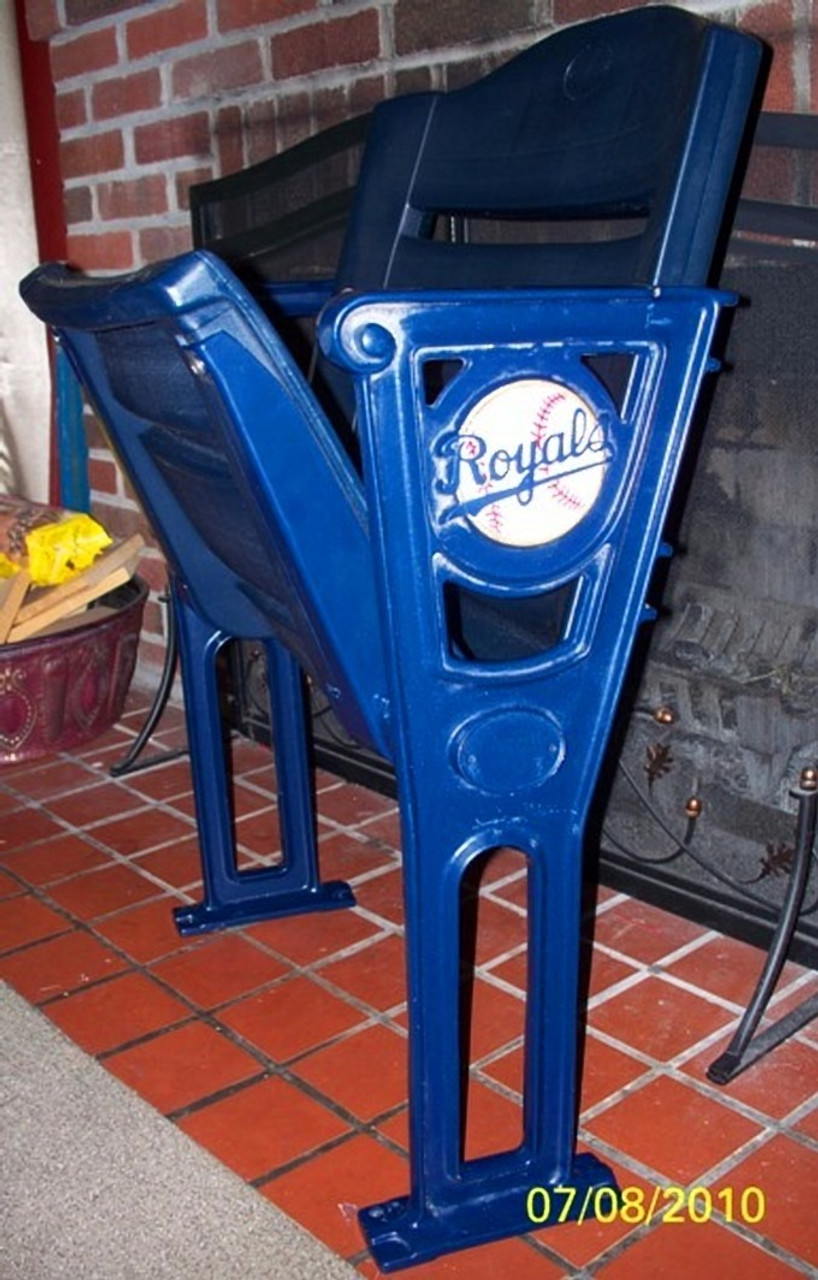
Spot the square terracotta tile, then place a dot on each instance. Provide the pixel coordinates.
(93, 804)
(137, 704)
(25, 827)
(184, 806)
(116, 1012)
(808, 1124)
(59, 965)
(499, 929)
(605, 971)
(775, 1085)
(497, 1019)
(642, 932)
(385, 829)
(325, 1193)
(137, 707)
(263, 775)
(169, 737)
(263, 779)
(514, 970)
(55, 859)
(163, 781)
(726, 967)
(9, 887)
(223, 967)
(786, 1172)
(350, 805)
(147, 932)
(708, 1249)
(494, 1123)
(143, 830)
(375, 975)
(604, 1071)
(383, 896)
(579, 1243)
(365, 1073)
(178, 865)
(396, 1128)
(598, 971)
(251, 799)
(675, 1130)
(99, 892)
(182, 1066)
(263, 1126)
(508, 1069)
(515, 892)
(658, 1018)
(787, 1000)
(502, 863)
(105, 752)
(315, 936)
(25, 919)
(290, 1018)
(52, 779)
(344, 855)
(10, 803)
(247, 756)
(260, 833)
(117, 739)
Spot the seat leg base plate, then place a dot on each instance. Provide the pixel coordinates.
(204, 917)
(401, 1235)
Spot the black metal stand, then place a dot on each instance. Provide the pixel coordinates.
(743, 1049)
(130, 762)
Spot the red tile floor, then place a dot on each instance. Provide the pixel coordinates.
(280, 1047)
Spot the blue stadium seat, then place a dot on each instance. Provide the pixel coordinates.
(522, 313)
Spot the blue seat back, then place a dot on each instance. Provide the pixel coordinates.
(255, 504)
(634, 119)
(601, 156)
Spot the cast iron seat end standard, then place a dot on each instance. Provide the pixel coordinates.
(189, 375)
(471, 600)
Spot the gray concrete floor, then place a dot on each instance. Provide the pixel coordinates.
(96, 1185)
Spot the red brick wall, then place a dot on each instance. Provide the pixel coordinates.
(153, 95)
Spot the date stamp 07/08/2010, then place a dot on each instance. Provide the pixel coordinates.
(636, 1205)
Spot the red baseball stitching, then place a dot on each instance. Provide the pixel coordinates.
(540, 428)
(563, 496)
(494, 517)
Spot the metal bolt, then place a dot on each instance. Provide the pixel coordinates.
(664, 715)
(809, 779)
(693, 807)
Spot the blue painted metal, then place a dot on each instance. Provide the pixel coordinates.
(471, 602)
(72, 446)
(230, 455)
(499, 754)
(635, 117)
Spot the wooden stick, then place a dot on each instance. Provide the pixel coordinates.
(62, 608)
(86, 616)
(46, 600)
(12, 594)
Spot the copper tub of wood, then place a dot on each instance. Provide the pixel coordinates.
(67, 655)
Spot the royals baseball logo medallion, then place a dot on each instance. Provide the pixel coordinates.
(527, 464)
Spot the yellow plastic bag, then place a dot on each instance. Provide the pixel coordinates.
(7, 567)
(57, 552)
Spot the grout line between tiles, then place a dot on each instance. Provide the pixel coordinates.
(268, 1068)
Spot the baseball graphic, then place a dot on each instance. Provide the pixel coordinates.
(528, 463)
